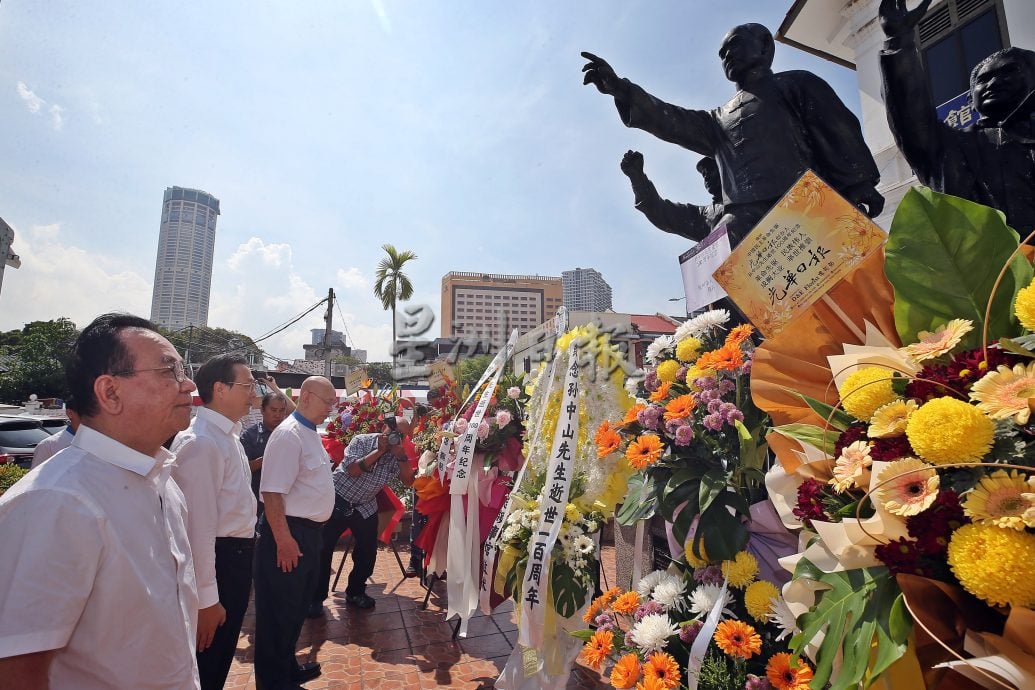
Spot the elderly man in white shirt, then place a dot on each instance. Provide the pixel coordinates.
(212, 470)
(98, 585)
(50, 446)
(298, 495)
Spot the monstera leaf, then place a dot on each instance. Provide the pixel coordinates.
(568, 592)
(943, 257)
(862, 608)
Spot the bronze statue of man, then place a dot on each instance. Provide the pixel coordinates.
(686, 220)
(991, 162)
(775, 128)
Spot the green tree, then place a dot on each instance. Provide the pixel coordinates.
(392, 285)
(471, 369)
(37, 363)
(380, 373)
(198, 344)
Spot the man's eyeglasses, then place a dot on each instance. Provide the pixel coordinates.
(324, 400)
(178, 372)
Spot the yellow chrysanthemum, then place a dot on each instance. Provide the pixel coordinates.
(890, 420)
(741, 570)
(994, 564)
(667, 370)
(692, 560)
(944, 338)
(1006, 392)
(1024, 306)
(912, 486)
(1000, 499)
(866, 390)
(694, 373)
(572, 513)
(947, 430)
(758, 599)
(689, 349)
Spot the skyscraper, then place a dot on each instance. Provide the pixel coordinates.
(486, 306)
(586, 290)
(183, 270)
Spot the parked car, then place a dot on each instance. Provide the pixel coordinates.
(18, 439)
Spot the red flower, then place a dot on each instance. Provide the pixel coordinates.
(810, 502)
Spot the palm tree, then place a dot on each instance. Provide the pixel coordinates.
(392, 285)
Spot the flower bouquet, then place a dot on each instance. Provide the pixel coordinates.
(660, 634)
(915, 492)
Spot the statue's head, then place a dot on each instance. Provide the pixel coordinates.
(709, 170)
(745, 49)
(1001, 82)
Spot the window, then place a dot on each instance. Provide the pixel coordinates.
(954, 37)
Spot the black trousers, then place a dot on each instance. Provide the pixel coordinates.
(364, 550)
(417, 522)
(280, 602)
(234, 581)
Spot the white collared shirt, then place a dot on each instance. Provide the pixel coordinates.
(98, 568)
(296, 465)
(213, 473)
(46, 448)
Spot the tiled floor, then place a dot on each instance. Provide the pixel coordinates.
(399, 645)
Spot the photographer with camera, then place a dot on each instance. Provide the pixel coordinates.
(371, 461)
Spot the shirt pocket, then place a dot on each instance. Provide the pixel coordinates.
(313, 459)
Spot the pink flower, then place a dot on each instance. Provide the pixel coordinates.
(459, 426)
(503, 418)
(513, 392)
(483, 430)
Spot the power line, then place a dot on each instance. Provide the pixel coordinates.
(289, 323)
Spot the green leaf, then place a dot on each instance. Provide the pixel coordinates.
(943, 257)
(811, 434)
(640, 501)
(839, 419)
(722, 532)
(568, 593)
(583, 635)
(1015, 347)
(858, 608)
(712, 484)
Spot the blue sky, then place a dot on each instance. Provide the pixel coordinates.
(461, 131)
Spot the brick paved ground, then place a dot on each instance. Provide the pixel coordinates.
(398, 645)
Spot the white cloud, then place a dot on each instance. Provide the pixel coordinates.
(352, 279)
(382, 15)
(32, 101)
(57, 119)
(274, 255)
(57, 279)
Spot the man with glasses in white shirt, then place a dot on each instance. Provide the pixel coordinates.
(98, 585)
(298, 495)
(212, 470)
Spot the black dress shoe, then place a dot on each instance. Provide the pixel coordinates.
(412, 571)
(315, 610)
(306, 671)
(360, 601)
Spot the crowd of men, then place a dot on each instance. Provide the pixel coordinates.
(130, 565)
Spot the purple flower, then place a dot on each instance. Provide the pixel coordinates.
(672, 424)
(726, 386)
(709, 575)
(684, 435)
(712, 421)
(604, 622)
(705, 383)
(688, 633)
(650, 380)
(735, 415)
(681, 374)
(649, 607)
(757, 683)
(714, 406)
(650, 417)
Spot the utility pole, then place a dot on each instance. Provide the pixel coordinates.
(7, 257)
(327, 334)
(186, 353)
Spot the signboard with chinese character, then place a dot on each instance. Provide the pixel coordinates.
(354, 380)
(811, 239)
(958, 112)
(440, 373)
(697, 265)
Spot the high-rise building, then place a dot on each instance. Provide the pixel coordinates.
(183, 270)
(487, 306)
(586, 290)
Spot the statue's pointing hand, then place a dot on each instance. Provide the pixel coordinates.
(600, 75)
(896, 20)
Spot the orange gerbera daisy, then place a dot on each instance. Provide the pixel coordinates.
(626, 672)
(598, 648)
(627, 603)
(726, 358)
(652, 684)
(739, 334)
(600, 603)
(644, 451)
(630, 415)
(663, 667)
(680, 407)
(608, 442)
(782, 677)
(663, 389)
(738, 639)
(601, 430)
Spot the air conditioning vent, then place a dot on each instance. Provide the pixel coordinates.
(969, 8)
(936, 22)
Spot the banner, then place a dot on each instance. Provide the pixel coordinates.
(810, 240)
(534, 598)
(697, 265)
(354, 381)
(463, 551)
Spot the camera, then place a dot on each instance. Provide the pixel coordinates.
(394, 435)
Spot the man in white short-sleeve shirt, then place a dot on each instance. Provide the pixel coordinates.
(97, 581)
(212, 470)
(298, 495)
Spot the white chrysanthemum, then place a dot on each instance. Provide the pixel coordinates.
(632, 384)
(585, 545)
(652, 632)
(784, 619)
(511, 532)
(702, 601)
(661, 345)
(648, 582)
(701, 324)
(671, 593)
